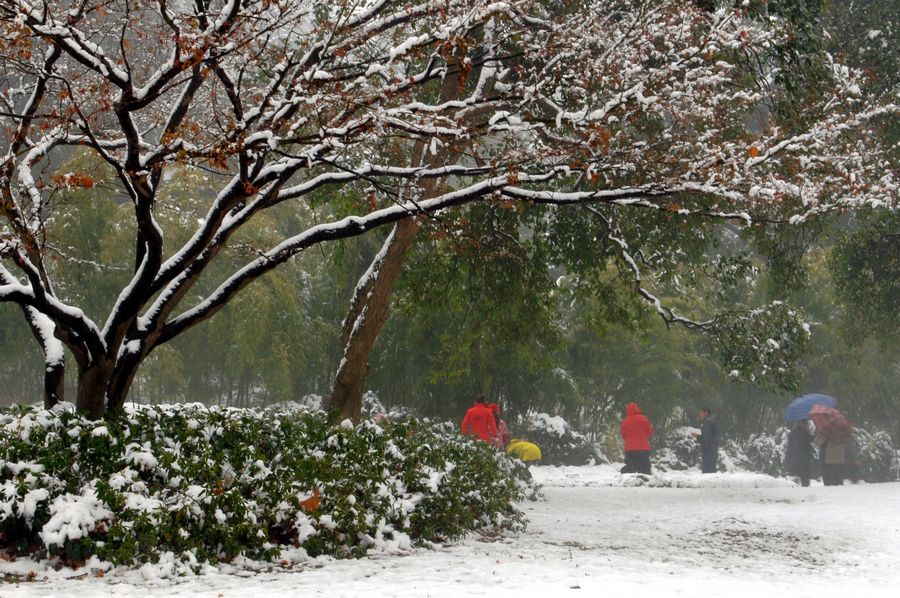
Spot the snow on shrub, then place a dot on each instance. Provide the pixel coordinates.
(679, 450)
(209, 485)
(373, 407)
(877, 456)
(760, 453)
(73, 517)
(560, 443)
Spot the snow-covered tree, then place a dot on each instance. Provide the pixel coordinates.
(416, 108)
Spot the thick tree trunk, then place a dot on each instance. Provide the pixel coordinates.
(92, 386)
(104, 388)
(121, 379)
(368, 314)
(371, 303)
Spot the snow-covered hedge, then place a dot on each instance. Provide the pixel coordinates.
(374, 408)
(192, 484)
(679, 450)
(760, 453)
(560, 443)
(879, 459)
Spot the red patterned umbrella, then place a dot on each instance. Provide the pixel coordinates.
(831, 423)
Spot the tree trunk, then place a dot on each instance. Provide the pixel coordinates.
(92, 387)
(54, 384)
(122, 377)
(103, 387)
(368, 314)
(371, 302)
(54, 369)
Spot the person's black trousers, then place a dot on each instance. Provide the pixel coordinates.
(832, 474)
(637, 462)
(710, 457)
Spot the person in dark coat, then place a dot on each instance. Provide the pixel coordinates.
(636, 432)
(709, 440)
(798, 456)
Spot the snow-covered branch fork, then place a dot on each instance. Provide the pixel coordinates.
(641, 104)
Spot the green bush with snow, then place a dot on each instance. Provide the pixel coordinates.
(877, 456)
(679, 450)
(560, 443)
(760, 453)
(195, 484)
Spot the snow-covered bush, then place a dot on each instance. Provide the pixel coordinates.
(373, 407)
(760, 453)
(310, 402)
(877, 456)
(607, 448)
(679, 450)
(211, 484)
(560, 443)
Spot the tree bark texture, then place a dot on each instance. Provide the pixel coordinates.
(92, 387)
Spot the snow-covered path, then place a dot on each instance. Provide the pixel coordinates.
(732, 535)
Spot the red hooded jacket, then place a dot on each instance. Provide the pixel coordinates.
(636, 429)
(479, 421)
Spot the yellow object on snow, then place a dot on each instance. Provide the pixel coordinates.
(524, 451)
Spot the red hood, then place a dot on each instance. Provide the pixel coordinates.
(632, 409)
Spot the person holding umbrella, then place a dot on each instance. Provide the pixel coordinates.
(834, 438)
(798, 456)
(833, 457)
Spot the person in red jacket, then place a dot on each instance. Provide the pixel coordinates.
(479, 421)
(636, 432)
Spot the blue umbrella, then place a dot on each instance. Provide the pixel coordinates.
(799, 407)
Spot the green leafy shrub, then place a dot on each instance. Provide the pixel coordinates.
(195, 484)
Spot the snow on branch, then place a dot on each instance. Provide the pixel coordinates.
(647, 103)
(51, 346)
(668, 315)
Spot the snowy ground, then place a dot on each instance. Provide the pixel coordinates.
(598, 532)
